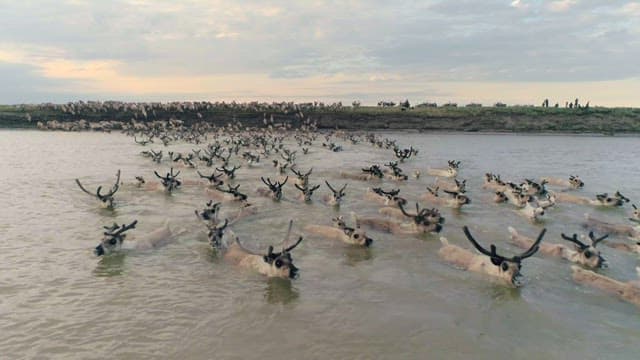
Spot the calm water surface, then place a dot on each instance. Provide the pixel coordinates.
(394, 300)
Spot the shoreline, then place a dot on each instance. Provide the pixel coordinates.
(487, 120)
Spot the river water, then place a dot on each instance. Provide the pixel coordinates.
(397, 299)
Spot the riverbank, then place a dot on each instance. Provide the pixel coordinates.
(466, 119)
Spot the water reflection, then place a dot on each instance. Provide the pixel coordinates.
(112, 265)
(280, 291)
(357, 254)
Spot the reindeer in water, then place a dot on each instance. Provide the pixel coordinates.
(341, 232)
(628, 291)
(114, 236)
(489, 262)
(450, 172)
(335, 198)
(272, 264)
(106, 200)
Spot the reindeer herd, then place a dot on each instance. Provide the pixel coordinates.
(277, 151)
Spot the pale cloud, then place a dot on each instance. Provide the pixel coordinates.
(562, 5)
(334, 49)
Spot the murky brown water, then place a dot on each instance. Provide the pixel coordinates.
(394, 300)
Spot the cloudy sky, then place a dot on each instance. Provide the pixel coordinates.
(514, 51)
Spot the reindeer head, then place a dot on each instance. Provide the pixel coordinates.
(213, 179)
(355, 236)
(374, 170)
(460, 199)
(303, 179)
(210, 213)
(588, 255)
(337, 195)
(216, 232)
(607, 200)
(429, 220)
(454, 164)
(276, 188)
(169, 181)
(105, 199)
(237, 195)
(507, 269)
(280, 264)
(575, 182)
(113, 238)
(461, 186)
(307, 191)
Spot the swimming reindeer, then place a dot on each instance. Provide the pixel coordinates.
(628, 291)
(450, 172)
(581, 253)
(170, 181)
(341, 232)
(601, 199)
(307, 191)
(455, 200)
(424, 221)
(336, 195)
(574, 182)
(114, 236)
(630, 231)
(271, 264)
(274, 189)
(489, 261)
(106, 200)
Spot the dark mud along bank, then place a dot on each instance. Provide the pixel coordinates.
(467, 119)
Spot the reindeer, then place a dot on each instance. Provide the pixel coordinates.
(341, 232)
(601, 199)
(531, 209)
(450, 172)
(370, 173)
(385, 197)
(231, 194)
(213, 179)
(114, 236)
(106, 200)
(635, 215)
(424, 221)
(216, 234)
(581, 253)
(302, 179)
(307, 192)
(271, 264)
(456, 199)
(210, 213)
(457, 186)
(396, 172)
(274, 189)
(573, 183)
(493, 182)
(228, 173)
(628, 291)
(490, 262)
(170, 181)
(632, 232)
(336, 195)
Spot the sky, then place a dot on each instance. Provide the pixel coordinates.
(512, 51)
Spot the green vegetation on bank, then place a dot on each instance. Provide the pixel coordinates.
(492, 119)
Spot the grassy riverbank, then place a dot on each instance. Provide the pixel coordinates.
(468, 119)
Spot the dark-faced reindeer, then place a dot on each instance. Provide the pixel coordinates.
(114, 236)
(424, 221)
(274, 189)
(370, 173)
(456, 186)
(216, 234)
(170, 181)
(581, 253)
(455, 199)
(601, 199)
(302, 179)
(450, 172)
(531, 210)
(271, 264)
(336, 195)
(635, 215)
(106, 200)
(229, 173)
(307, 192)
(628, 291)
(384, 197)
(213, 179)
(489, 262)
(531, 187)
(396, 173)
(493, 182)
(210, 213)
(230, 194)
(341, 232)
(574, 182)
